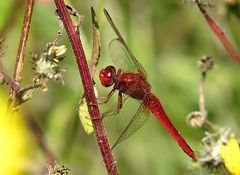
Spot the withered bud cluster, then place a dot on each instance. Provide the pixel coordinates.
(56, 169)
(212, 142)
(196, 119)
(205, 63)
(46, 65)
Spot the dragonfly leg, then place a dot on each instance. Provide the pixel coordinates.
(114, 111)
(103, 100)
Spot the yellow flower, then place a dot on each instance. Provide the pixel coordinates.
(231, 156)
(13, 141)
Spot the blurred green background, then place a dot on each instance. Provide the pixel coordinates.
(167, 37)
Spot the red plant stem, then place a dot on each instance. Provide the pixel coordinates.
(22, 44)
(220, 34)
(23, 40)
(88, 88)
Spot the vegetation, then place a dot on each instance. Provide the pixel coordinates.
(42, 87)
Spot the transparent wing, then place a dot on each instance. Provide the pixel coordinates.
(120, 57)
(131, 117)
(123, 59)
(124, 46)
(137, 121)
(111, 121)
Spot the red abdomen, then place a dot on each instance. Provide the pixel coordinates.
(156, 108)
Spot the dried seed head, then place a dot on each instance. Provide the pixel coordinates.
(46, 65)
(212, 143)
(35, 57)
(205, 63)
(60, 51)
(57, 51)
(196, 119)
(56, 169)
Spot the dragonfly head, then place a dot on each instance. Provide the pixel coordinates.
(107, 76)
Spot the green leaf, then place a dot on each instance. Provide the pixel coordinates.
(84, 116)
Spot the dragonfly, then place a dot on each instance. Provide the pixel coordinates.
(130, 80)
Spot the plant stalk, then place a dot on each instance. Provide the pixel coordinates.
(22, 46)
(88, 88)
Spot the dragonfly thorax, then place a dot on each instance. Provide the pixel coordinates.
(132, 84)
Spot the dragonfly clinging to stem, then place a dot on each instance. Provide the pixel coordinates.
(130, 80)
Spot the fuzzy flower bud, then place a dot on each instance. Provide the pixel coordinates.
(196, 119)
(205, 63)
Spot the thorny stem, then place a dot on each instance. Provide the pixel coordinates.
(22, 44)
(88, 88)
(219, 33)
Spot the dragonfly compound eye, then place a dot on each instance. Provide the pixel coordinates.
(107, 76)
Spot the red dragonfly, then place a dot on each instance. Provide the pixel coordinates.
(130, 80)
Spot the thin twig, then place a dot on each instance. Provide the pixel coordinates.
(22, 44)
(88, 88)
(211, 126)
(219, 33)
(29, 87)
(205, 64)
(202, 94)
